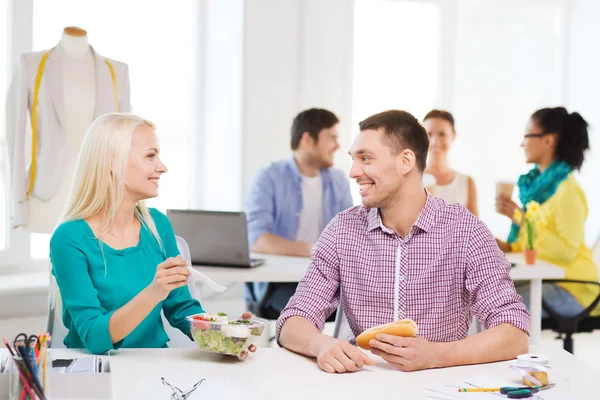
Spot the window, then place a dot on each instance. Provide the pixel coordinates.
(508, 64)
(4, 168)
(395, 59)
(158, 41)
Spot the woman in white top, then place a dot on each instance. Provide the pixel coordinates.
(451, 185)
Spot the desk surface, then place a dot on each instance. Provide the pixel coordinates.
(274, 372)
(292, 269)
(276, 269)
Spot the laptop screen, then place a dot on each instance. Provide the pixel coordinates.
(214, 237)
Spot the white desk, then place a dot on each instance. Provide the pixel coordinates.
(275, 269)
(292, 269)
(277, 373)
(535, 274)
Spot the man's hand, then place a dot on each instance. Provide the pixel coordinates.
(406, 354)
(336, 355)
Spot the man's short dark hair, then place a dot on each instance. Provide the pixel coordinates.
(312, 121)
(401, 131)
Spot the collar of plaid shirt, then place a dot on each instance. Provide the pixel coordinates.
(447, 269)
(424, 222)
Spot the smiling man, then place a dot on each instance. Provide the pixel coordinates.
(290, 202)
(404, 254)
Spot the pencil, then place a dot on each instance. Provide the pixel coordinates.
(8, 346)
(44, 367)
(472, 390)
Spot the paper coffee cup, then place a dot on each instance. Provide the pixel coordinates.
(505, 188)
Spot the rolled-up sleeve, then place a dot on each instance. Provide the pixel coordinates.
(317, 295)
(79, 296)
(490, 289)
(260, 206)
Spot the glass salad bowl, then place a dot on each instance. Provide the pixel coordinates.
(218, 333)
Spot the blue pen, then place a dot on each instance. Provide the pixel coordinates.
(34, 362)
(28, 362)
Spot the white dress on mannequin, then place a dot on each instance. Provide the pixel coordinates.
(79, 97)
(77, 86)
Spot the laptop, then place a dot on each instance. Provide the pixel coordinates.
(214, 237)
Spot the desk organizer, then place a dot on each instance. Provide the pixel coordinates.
(71, 386)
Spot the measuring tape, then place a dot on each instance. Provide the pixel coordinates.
(34, 114)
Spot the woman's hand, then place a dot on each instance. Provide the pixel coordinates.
(170, 274)
(505, 206)
(252, 348)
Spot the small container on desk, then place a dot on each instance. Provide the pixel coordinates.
(86, 377)
(78, 380)
(16, 382)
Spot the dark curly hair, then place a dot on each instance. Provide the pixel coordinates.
(572, 132)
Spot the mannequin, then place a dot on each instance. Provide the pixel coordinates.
(76, 86)
(79, 93)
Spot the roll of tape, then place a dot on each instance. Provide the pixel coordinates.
(533, 368)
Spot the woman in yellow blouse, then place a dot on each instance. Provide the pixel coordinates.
(555, 142)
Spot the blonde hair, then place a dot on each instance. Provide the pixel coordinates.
(99, 181)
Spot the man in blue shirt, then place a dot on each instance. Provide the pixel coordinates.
(289, 202)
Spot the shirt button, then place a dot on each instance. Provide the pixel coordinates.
(401, 278)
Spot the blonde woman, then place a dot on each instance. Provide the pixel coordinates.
(115, 261)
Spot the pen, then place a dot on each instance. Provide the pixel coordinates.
(26, 387)
(29, 369)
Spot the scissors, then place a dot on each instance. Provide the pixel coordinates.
(518, 392)
(522, 392)
(29, 342)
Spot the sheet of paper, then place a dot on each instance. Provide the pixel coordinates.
(450, 390)
(152, 387)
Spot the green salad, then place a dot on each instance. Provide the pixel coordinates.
(219, 334)
(218, 342)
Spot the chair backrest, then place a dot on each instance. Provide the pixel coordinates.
(54, 323)
(184, 250)
(58, 331)
(177, 338)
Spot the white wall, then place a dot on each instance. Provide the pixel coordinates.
(583, 95)
(266, 60)
(297, 54)
(20, 34)
(218, 143)
(508, 63)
